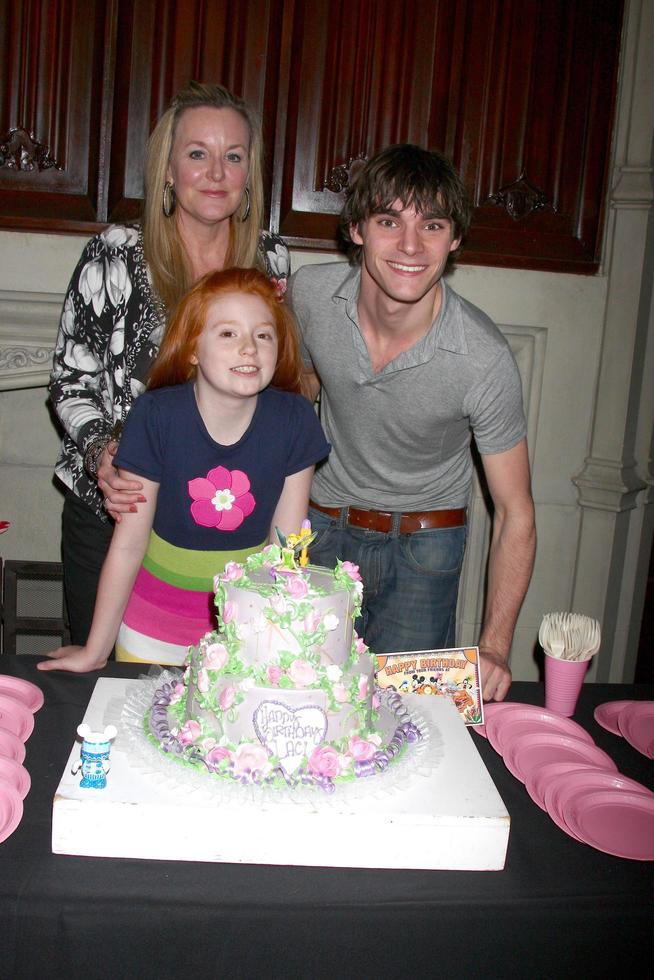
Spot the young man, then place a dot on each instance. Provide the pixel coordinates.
(408, 371)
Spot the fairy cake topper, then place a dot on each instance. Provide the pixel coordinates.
(295, 548)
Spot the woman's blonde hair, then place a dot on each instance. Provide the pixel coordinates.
(164, 252)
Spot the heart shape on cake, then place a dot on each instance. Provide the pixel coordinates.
(291, 734)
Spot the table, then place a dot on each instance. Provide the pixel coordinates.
(559, 909)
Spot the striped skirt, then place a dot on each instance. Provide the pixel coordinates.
(171, 605)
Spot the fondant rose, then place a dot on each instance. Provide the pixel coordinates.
(297, 586)
(334, 673)
(278, 603)
(360, 646)
(324, 761)
(361, 749)
(229, 611)
(226, 697)
(375, 701)
(352, 570)
(233, 571)
(340, 693)
(178, 690)
(330, 622)
(274, 673)
(302, 673)
(190, 731)
(207, 744)
(222, 499)
(250, 758)
(216, 755)
(363, 687)
(215, 656)
(203, 681)
(312, 621)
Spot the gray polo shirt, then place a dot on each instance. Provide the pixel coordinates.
(401, 438)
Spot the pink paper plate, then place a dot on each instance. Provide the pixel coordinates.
(494, 708)
(555, 814)
(562, 792)
(535, 750)
(636, 723)
(606, 715)
(12, 772)
(20, 690)
(503, 729)
(615, 821)
(539, 778)
(16, 717)
(11, 746)
(11, 810)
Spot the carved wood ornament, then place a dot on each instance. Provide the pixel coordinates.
(21, 150)
(341, 176)
(521, 198)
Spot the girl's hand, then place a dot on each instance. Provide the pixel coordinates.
(77, 659)
(121, 496)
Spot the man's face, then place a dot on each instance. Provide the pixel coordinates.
(404, 252)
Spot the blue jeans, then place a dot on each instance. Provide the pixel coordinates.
(410, 581)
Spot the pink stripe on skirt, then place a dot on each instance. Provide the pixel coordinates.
(165, 612)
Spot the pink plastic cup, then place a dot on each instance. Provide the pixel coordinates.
(563, 680)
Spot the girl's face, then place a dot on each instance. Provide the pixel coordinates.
(236, 354)
(209, 164)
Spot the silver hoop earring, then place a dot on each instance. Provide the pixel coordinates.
(247, 204)
(169, 200)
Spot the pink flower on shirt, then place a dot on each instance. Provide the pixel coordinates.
(222, 499)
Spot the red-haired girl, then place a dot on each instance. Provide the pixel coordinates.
(225, 448)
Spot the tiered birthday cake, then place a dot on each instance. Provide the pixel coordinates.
(282, 693)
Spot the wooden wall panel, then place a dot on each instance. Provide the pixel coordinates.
(519, 93)
(51, 91)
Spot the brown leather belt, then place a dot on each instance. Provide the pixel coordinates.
(382, 520)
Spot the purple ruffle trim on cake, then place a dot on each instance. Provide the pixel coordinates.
(405, 733)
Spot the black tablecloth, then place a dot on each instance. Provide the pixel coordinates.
(559, 908)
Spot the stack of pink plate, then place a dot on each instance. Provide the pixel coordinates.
(18, 701)
(634, 720)
(572, 779)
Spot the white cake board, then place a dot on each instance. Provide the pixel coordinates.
(450, 816)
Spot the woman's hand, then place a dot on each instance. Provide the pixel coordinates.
(120, 496)
(77, 659)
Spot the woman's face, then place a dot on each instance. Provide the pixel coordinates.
(209, 164)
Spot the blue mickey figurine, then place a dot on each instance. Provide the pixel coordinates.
(94, 756)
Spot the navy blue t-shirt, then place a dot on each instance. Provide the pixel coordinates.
(165, 440)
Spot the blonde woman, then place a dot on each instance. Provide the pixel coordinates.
(202, 212)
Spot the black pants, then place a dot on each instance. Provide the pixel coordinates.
(84, 545)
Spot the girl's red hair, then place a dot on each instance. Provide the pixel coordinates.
(173, 363)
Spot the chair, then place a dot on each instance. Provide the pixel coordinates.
(33, 608)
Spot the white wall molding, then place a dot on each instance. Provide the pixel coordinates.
(607, 484)
(615, 535)
(28, 329)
